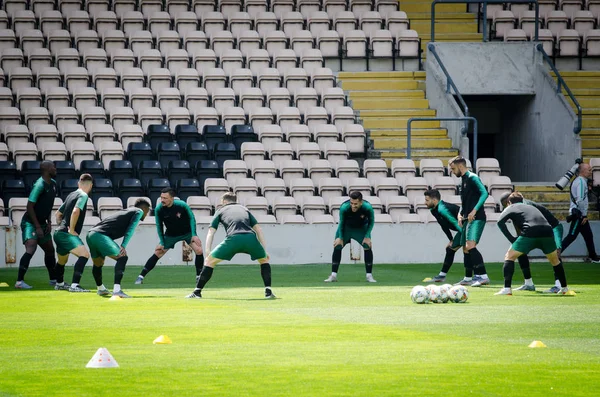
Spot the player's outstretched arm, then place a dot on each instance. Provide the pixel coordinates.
(159, 226)
(135, 220)
(260, 235)
(33, 198)
(502, 225)
(209, 239)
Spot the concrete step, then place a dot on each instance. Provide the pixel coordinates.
(350, 76)
(425, 7)
(442, 17)
(583, 92)
(590, 153)
(458, 26)
(589, 143)
(591, 122)
(401, 133)
(387, 94)
(443, 154)
(590, 132)
(402, 112)
(578, 74)
(586, 102)
(416, 144)
(372, 104)
(379, 85)
(395, 122)
(536, 187)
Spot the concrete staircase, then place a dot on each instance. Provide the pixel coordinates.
(453, 23)
(385, 101)
(586, 88)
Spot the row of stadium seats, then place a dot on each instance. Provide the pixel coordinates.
(570, 7)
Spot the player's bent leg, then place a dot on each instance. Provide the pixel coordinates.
(369, 263)
(98, 263)
(508, 270)
(196, 246)
(49, 259)
(151, 263)
(209, 265)
(30, 248)
(265, 273)
(119, 272)
(526, 269)
(559, 271)
(336, 259)
(468, 279)
(83, 256)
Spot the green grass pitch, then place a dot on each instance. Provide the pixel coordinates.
(346, 339)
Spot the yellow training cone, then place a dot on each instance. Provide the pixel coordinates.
(115, 298)
(3, 285)
(537, 343)
(427, 279)
(162, 340)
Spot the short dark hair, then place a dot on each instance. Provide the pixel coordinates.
(433, 193)
(169, 190)
(458, 160)
(504, 198)
(515, 197)
(86, 178)
(356, 195)
(142, 202)
(46, 164)
(229, 197)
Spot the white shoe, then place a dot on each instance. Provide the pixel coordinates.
(370, 279)
(331, 279)
(504, 291)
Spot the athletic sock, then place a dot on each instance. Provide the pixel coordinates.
(265, 272)
(468, 266)
(336, 258)
(120, 269)
(150, 263)
(508, 270)
(448, 260)
(205, 275)
(529, 282)
(477, 262)
(334, 274)
(560, 273)
(116, 288)
(78, 270)
(50, 263)
(525, 267)
(369, 261)
(97, 273)
(59, 272)
(101, 287)
(442, 274)
(557, 284)
(199, 263)
(24, 265)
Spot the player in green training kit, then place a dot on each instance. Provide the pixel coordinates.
(180, 223)
(472, 220)
(447, 216)
(534, 232)
(356, 223)
(36, 225)
(70, 217)
(243, 236)
(557, 230)
(100, 240)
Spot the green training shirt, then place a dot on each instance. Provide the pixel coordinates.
(235, 218)
(363, 218)
(473, 195)
(178, 220)
(447, 216)
(42, 195)
(120, 224)
(78, 199)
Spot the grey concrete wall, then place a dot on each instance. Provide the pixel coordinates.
(305, 244)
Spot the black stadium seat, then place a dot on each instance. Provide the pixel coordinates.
(68, 186)
(149, 169)
(93, 167)
(158, 133)
(8, 171)
(213, 134)
(167, 152)
(65, 170)
(187, 187)
(196, 151)
(30, 172)
(13, 188)
(242, 133)
(138, 152)
(102, 188)
(120, 169)
(185, 134)
(155, 186)
(207, 169)
(130, 188)
(224, 151)
(179, 169)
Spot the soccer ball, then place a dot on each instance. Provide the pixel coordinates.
(443, 294)
(434, 294)
(458, 294)
(419, 294)
(429, 288)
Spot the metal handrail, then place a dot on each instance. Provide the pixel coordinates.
(449, 81)
(485, 3)
(562, 83)
(467, 119)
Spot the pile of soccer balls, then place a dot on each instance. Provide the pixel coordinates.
(439, 294)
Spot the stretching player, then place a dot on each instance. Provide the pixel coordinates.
(180, 223)
(535, 232)
(100, 240)
(472, 220)
(36, 225)
(70, 217)
(557, 230)
(356, 223)
(243, 236)
(447, 216)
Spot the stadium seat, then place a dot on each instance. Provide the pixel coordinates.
(284, 206)
(430, 169)
(242, 133)
(503, 21)
(375, 169)
(386, 187)
(269, 135)
(149, 169)
(445, 185)
(361, 185)
(224, 151)
(23, 152)
(154, 188)
(138, 152)
(318, 169)
(290, 170)
(214, 188)
(346, 170)
(8, 170)
(4, 153)
(301, 188)
(54, 151)
(206, 169)
(102, 188)
(317, 22)
(262, 170)
(330, 188)
(336, 151)
(556, 22)
(108, 206)
(67, 187)
(251, 98)
(569, 43)
(334, 206)
(396, 206)
(232, 116)
(583, 22)
(130, 188)
(13, 188)
(15, 133)
(157, 134)
(419, 205)
(383, 219)
(234, 170)
(487, 167)
(408, 218)
(196, 151)
(272, 188)
(312, 207)
(408, 43)
(414, 187)
(257, 205)
(499, 185)
(353, 135)
(93, 167)
(252, 152)
(245, 188)
(119, 170)
(200, 205)
(18, 208)
(214, 134)
(490, 205)
(30, 172)
(178, 169)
